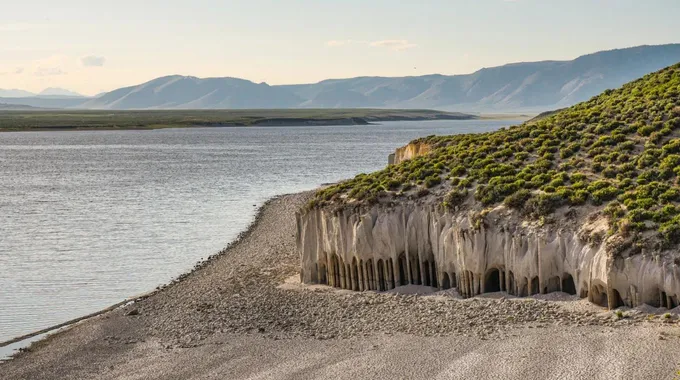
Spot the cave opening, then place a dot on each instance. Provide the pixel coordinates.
(403, 277)
(323, 280)
(426, 277)
(435, 283)
(446, 282)
(382, 286)
(492, 282)
(416, 274)
(535, 286)
(618, 301)
(568, 285)
(390, 273)
(370, 274)
(335, 265)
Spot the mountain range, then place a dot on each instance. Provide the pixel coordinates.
(526, 86)
(48, 92)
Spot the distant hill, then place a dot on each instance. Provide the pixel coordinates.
(535, 86)
(180, 92)
(56, 91)
(516, 87)
(14, 93)
(46, 101)
(17, 107)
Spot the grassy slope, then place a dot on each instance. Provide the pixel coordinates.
(66, 119)
(617, 154)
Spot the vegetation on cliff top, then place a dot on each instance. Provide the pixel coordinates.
(618, 152)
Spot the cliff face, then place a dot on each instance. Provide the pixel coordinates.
(408, 152)
(382, 247)
(585, 200)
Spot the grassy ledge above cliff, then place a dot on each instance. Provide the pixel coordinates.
(616, 156)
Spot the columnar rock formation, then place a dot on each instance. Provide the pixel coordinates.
(383, 247)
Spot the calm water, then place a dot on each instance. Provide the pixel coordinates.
(90, 218)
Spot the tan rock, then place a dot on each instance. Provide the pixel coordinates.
(381, 247)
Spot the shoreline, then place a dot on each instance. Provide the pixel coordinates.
(230, 317)
(133, 299)
(77, 120)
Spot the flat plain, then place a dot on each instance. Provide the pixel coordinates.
(37, 120)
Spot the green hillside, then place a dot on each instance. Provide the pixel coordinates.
(617, 154)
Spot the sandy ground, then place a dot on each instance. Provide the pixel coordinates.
(242, 315)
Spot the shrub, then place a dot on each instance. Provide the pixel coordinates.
(432, 181)
(605, 194)
(455, 198)
(458, 170)
(579, 197)
(518, 199)
(671, 230)
(544, 204)
(645, 130)
(672, 146)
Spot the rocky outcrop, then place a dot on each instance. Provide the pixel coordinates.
(408, 152)
(382, 247)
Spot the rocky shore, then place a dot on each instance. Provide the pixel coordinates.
(241, 315)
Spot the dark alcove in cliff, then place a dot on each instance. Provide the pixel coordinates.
(382, 279)
(403, 277)
(568, 285)
(322, 275)
(446, 282)
(426, 276)
(617, 299)
(535, 288)
(492, 283)
(355, 274)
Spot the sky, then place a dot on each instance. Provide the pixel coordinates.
(91, 46)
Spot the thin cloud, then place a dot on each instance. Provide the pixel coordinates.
(396, 45)
(92, 61)
(18, 70)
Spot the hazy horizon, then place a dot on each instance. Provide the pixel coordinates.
(91, 48)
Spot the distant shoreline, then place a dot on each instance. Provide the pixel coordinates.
(64, 120)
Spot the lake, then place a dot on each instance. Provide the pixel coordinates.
(89, 218)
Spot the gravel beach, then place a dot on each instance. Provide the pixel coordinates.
(242, 315)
